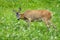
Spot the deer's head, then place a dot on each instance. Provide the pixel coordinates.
(17, 13)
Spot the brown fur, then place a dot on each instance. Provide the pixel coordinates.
(31, 15)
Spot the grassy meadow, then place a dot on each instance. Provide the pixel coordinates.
(12, 29)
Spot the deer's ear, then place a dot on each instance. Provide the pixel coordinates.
(19, 9)
(14, 10)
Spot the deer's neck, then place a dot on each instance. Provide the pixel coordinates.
(22, 16)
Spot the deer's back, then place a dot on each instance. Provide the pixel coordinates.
(36, 14)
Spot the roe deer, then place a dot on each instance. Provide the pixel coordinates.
(31, 15)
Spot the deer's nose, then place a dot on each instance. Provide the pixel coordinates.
(18, 19)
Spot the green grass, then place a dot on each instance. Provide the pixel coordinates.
(12, 29)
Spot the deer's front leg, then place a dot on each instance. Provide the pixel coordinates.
(29, 21)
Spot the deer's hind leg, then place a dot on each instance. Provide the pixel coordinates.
(54, 26)
(49, 23)
(46, 22)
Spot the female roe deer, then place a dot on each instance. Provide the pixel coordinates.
(31, 15)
